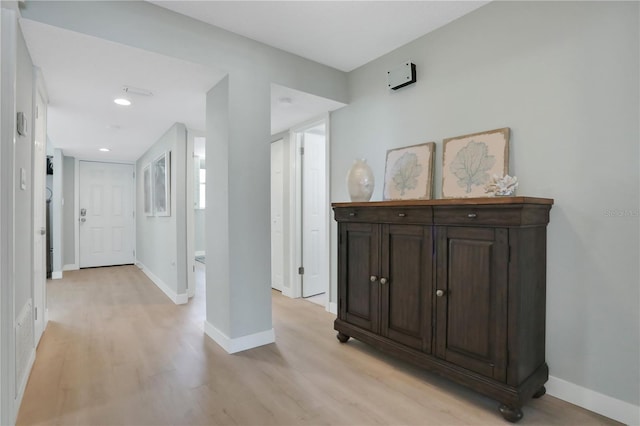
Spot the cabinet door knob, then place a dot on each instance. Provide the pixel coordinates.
(472, 215)
(373, 278)
(440, 293)
(383, 281)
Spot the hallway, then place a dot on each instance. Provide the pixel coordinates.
(117, 351)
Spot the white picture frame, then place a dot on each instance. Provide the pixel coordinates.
(147, 182)
(162, 185)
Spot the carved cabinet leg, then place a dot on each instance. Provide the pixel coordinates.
(342, 337)
(511, 414)
(540, 392)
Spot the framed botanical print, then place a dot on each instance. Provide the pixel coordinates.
(469, 162)
(409, 172)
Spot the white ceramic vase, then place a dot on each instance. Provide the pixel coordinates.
(360, 181)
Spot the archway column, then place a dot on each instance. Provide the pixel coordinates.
(238, 215)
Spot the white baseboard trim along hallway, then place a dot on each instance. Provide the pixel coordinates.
(239, 344)
(594, 401)
(178, 299)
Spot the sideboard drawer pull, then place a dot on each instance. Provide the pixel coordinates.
(352, 214)
(472, 215)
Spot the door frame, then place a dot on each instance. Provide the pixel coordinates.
(39, 287)
(295, 207)
(283, 257)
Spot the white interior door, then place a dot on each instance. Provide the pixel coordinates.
(106, 214)
(39, 218)
(277, 210)
(314, 213)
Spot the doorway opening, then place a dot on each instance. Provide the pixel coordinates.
(300, 212)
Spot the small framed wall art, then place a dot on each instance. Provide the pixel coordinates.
(162, 185)
(409, 172)
(148, 190)
(469, 162)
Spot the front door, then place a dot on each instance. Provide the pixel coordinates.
(106, 214)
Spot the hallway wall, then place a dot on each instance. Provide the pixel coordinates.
(158, 238)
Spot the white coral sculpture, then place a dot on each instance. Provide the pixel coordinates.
(505, 185)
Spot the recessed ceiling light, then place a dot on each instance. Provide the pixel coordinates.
(122, 101)
(105, 149)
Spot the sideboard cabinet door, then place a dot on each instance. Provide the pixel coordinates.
(471, 298)
(406, 293)
(359, 270)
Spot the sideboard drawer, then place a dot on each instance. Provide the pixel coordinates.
(385, 215)
(477, 215)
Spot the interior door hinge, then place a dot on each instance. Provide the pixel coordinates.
(194, 268)
(302, 150)
(36, 313)
(301, 270)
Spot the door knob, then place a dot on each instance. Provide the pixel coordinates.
(82, 219)
(439, 293)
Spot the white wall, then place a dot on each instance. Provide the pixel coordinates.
(564, 77)
(158, 246)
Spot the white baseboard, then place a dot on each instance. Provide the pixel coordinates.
(594, 401)
(72, 267)
(239, 344)
(22, 386)
(288, 291)
(178, 299)
(56, 275)
(333, 308)
(200, 253)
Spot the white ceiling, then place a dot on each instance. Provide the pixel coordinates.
(84, 74)
(341, 34)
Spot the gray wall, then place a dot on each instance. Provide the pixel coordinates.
(68, 212)
(564, 77)
(158, 237)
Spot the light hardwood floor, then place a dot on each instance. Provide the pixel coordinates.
(117, 351)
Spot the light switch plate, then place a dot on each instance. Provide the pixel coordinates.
(23, 179)
(21, 124)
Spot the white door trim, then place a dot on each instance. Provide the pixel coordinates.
(190, 215)
(278, 261)
(38, 164)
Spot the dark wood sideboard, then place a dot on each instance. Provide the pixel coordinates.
(456, 286)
